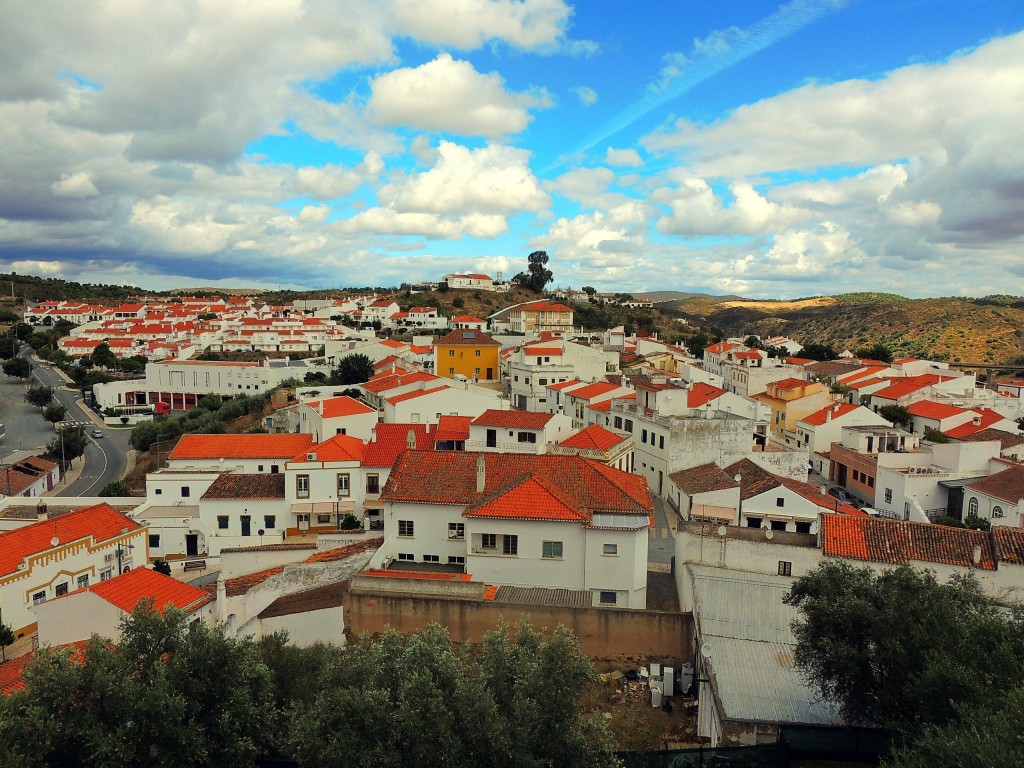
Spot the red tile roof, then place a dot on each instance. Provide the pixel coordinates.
(596, 389)
(231, 486)
(541, 306)
(720, 347)
(910, 384)
(594, 437)
(1010, 542)
(532, 498)
(1007, 485)
(790, 383)
(701, 394)
(452, 428)
(899, 542)
(513, 419)
(703, 479)
(450, 477)
(336, 407)
(928, 409)
(240, 446)
(337, 448)
(382, 382)
(838, 410)
(564, 384)
(466, 337)
(100, 522)
(414, 394)
(391, 439)
(986, 420)
(125, 591)
(542, 351)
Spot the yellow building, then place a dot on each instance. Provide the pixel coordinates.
(791, 400)
(472, 354)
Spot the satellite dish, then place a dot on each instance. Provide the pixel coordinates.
(54, 541)
(769, 533)
(721, 530)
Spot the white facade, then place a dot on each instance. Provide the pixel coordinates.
(455, 400)
(519, 439)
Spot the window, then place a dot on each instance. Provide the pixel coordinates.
(476, 371)
(608, 598)
(972, 506)
(476, 353)
(159, 491)
(273, 469)
(456, 560)
(803, 527)
(185, 491)
(871, 482)
(778, 525)
(489, 541)
(542, 382)
(785, 568)
(661, 443)
(61, 589)
(451, 371)
(609, 549)
(456, 530)
(269, 521)
(343, 484)
(222, 522)
(405, 527)
(431, 559)
(154, 541)
(259, 467)
(997, 511)
(302, 486)
(451, 353)
(618, 422)
(323, 519)
(82, 581)
(510, 545)
(106, 573)
(753, 522)
(39, 597)
(643, 436)
(551, 549)
(373, 483)
(629, 425)
(527, 437)
(406, 556)
(888, 495)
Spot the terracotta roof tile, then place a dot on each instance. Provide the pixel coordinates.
(452, 428)
(701, 394)
(391, 439)
(908, 385)
(125, 591)
(463, 336)
(339, 406)
(984, 417)
(899, 542)
(1007, 485)
(513, 419)
(382, 382)
(594, 437)
(1011, 544)
(232, 486)
(100, 522)
(928, 409)
(450, 477)
(414, 394)
(703, 479)
(532, 498)
(240, 446)
(316, 599)
(596, 389)
(838, 410)
(1005, 439)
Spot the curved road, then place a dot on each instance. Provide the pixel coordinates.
(106, 458)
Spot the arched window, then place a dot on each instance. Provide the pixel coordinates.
(972, 506)
(997, 511)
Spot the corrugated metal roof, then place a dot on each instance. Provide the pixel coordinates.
(567, 598)
(758, 681)
(744, 606)
(745, 637)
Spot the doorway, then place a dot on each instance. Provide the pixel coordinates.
(191, 544)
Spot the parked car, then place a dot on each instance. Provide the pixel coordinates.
(842, 494)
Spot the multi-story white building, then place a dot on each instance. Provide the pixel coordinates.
(529, 369)
(556, 522)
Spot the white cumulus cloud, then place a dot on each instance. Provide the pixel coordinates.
(74, 185)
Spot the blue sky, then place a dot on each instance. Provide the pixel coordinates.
(767, 149)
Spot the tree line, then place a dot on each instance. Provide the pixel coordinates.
(178, 693)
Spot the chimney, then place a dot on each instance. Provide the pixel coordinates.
(828, 415)
(976, 421)
(222, 601)
(41, 513)
(410, 439)
(373, 434)
(976, 555)
(481, 473)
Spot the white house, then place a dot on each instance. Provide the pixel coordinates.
(517, 431)
(324, 484)
(998, 498)
(427, 403)
(335, 416)
(246, 454)
(557, 522)
(52, 557)
(816, 432)
(99, 609)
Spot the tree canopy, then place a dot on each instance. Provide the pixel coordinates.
(173, 693)
(352, 369)
(900, 649)
(17, 367)
(537, 275)
(68, 444)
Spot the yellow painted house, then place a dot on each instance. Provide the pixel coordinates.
(468, 353)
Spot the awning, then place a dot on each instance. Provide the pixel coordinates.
(712, 514)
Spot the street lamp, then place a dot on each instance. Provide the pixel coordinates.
(120, 554)
(739, 505)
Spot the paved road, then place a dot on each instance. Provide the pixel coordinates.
(661, 546)
(105, 457)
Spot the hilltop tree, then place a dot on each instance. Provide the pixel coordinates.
(103, 357)
(820, 352)
(537, 274)
(877, 351)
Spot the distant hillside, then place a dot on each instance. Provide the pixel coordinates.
(660, 297)
(32, 288)
(985, 330)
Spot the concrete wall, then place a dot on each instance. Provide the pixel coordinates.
(602, 631)
(307, 628)
(791, 464)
